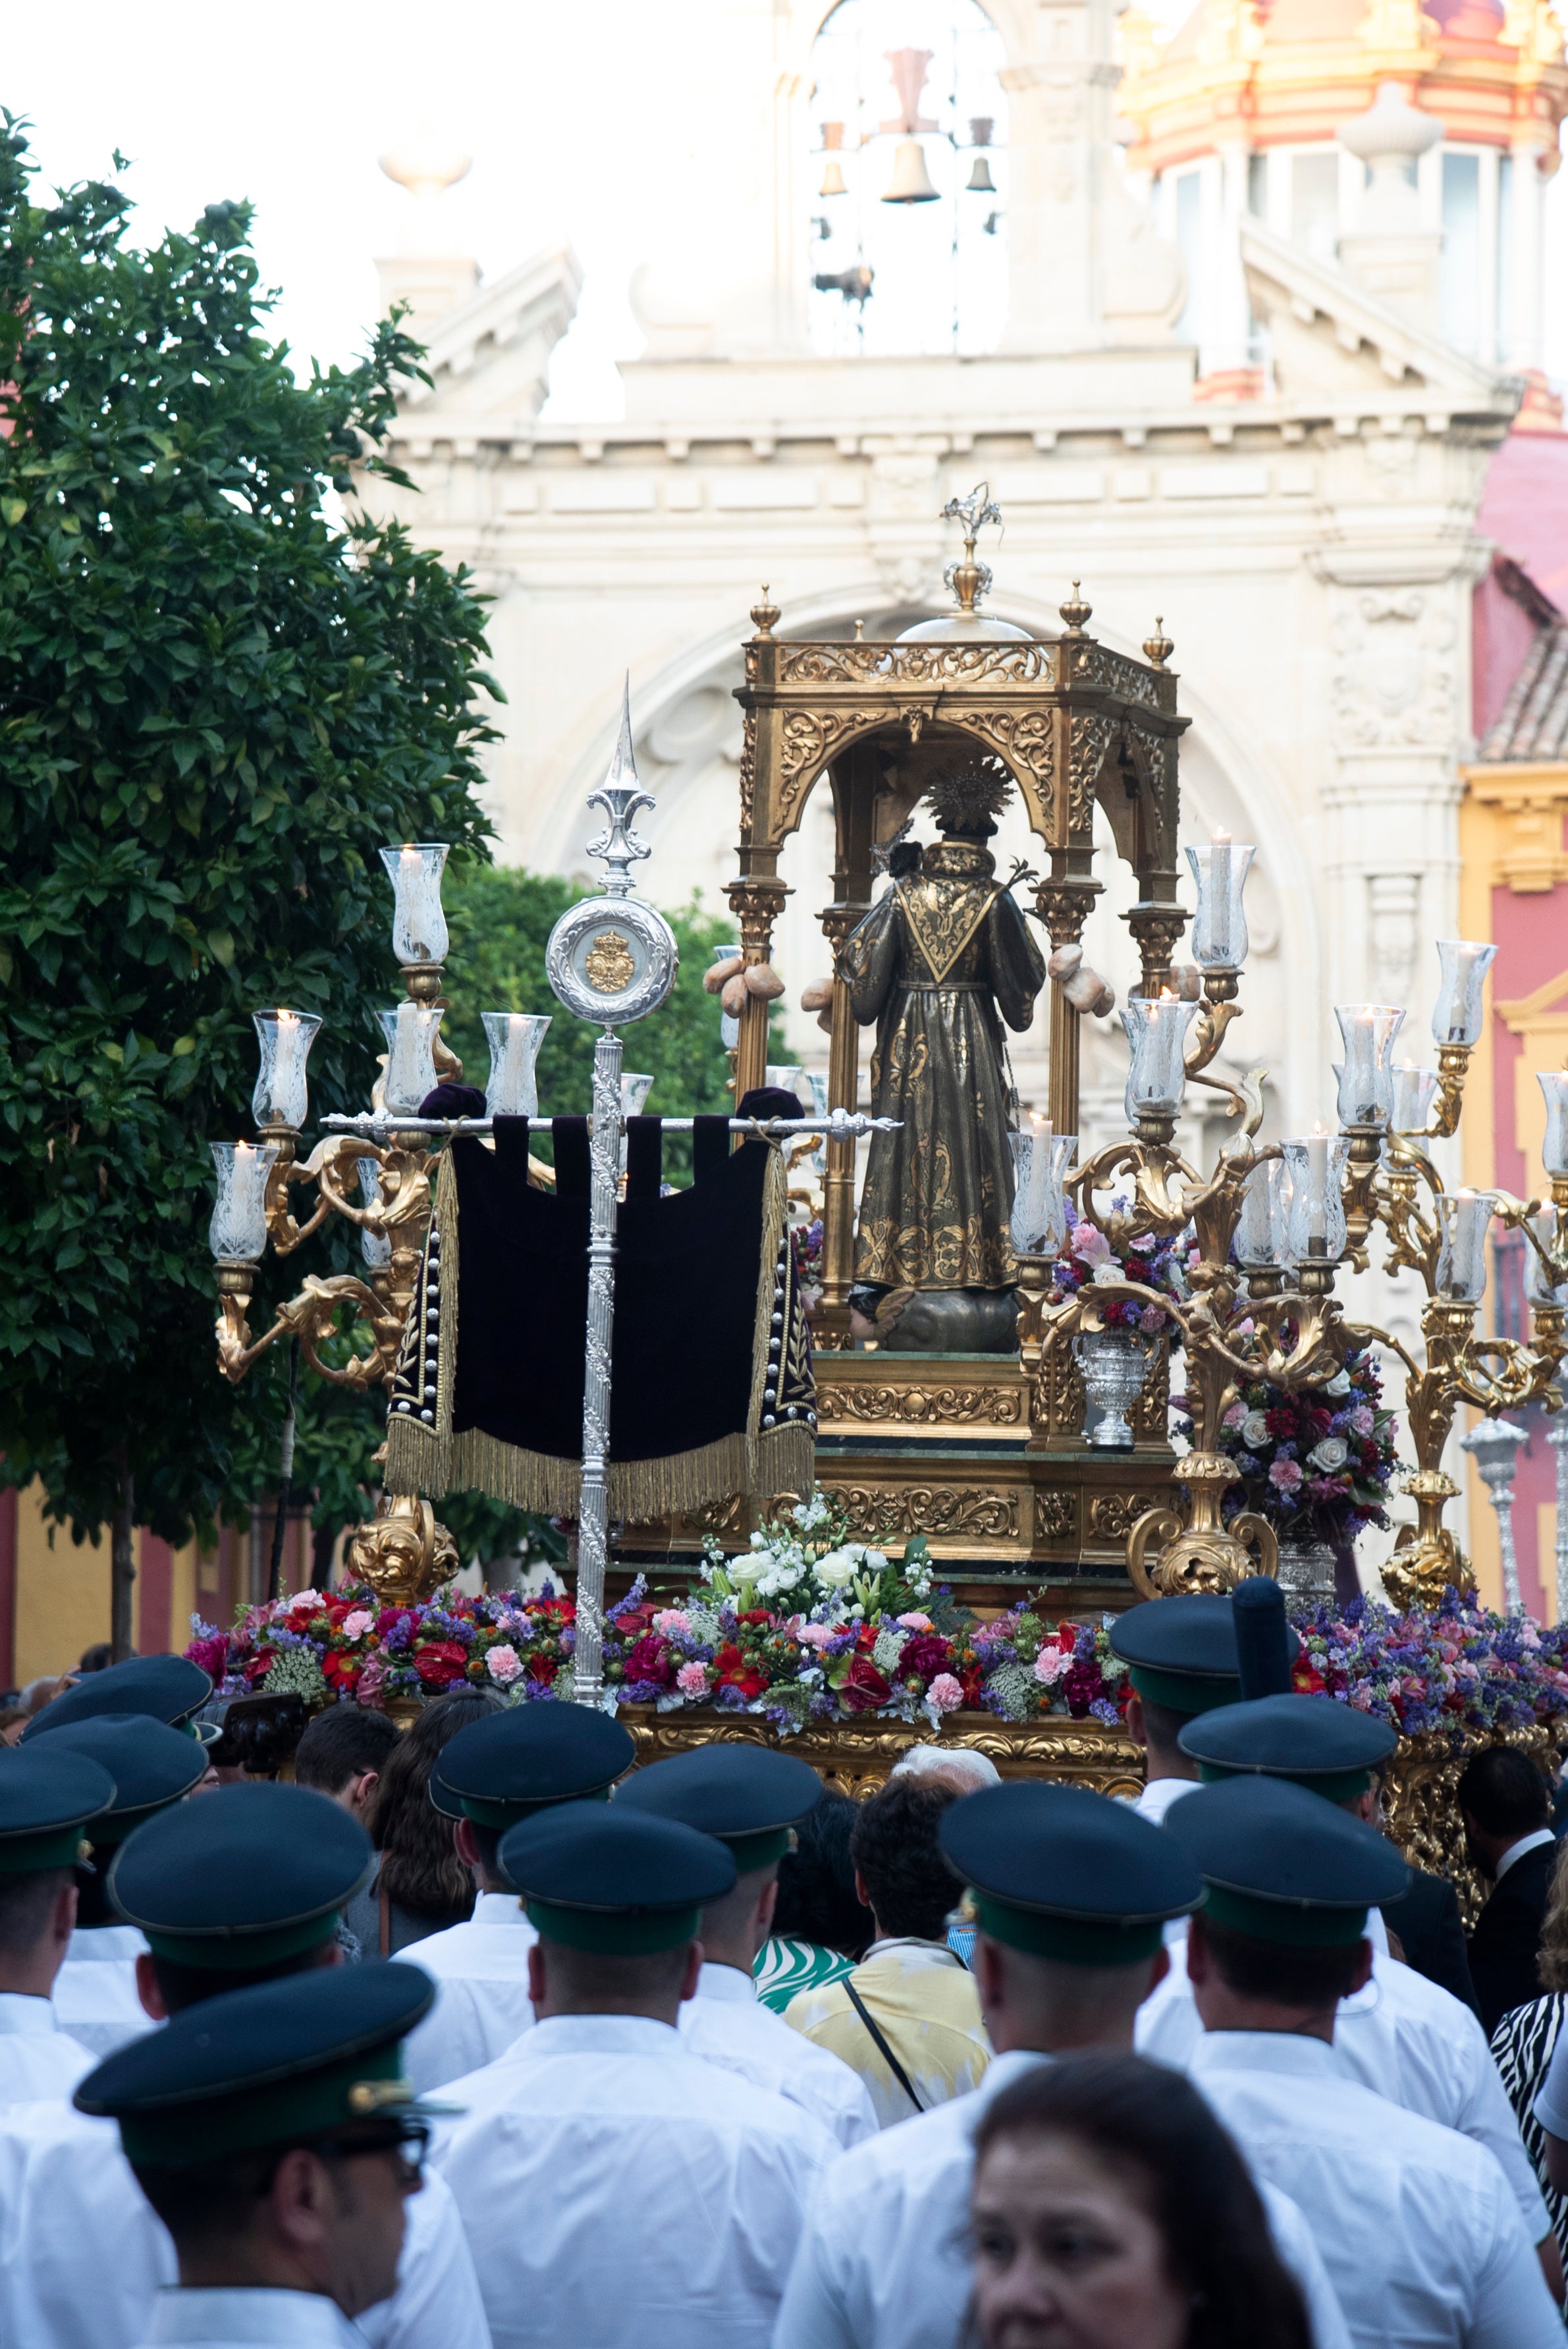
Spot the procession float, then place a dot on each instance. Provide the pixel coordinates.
(891, 1485)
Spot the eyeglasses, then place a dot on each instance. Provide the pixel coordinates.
(407, 2140)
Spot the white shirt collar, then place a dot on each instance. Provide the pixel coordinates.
(1517, 1850)
(601, 2035)
(1003, 2070)
(1264, 2051)
(305, 2320)
(498, 1908)
(104, 1944)
(727, 1983)
(24, 2017)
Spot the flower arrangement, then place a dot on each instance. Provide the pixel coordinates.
(1090, 1259)
(1455, 1668)
(808, 1625)
(808, 1261)
(1317, 1463)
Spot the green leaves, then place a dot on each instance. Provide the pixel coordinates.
(215, 705)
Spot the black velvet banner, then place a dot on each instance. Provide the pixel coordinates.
(710, 1368)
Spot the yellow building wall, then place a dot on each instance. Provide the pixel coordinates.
(63, 1593)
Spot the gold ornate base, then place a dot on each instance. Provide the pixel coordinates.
(402, 1553)
(857, 1761)
(944, 1445)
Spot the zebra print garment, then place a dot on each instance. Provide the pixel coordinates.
(1521, 2049)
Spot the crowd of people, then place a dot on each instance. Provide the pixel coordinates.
(474, 2034)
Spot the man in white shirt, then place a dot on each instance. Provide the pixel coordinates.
(273, 2135)
(1421, 2237)
(1400, 2035)
(153, 1767)
(48, 1798)
(1183, 1659)
(495, 1771)
(245, 1885)
(1070, 1891)
(619, 2191)
(753, 1799)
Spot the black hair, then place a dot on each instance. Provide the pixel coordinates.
(1280, 1971)
(903, 858)
(341, 1743)
(1504, 1792)
(817, 1901)
(97, 1658)
(894, 1847)
(1137, 2117)
(94, 1906)
(181, 1985)
(26, 1904)
(419, 1866)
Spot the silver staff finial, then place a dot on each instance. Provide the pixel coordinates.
(620, 795)
(974, 512)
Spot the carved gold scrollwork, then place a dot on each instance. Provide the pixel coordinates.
(1056, 1515)
(962, 1512)
(1088, 745)
(916, 1406)
(1112, 1515)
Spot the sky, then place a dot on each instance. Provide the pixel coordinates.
(560, 107)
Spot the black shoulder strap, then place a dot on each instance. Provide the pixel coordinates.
(897, 2069)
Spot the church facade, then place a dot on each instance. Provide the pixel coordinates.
(1216, 398)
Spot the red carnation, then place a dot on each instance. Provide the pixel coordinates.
(863, 1688)
(439, 1663)
(924, 1654)
(650, 1659)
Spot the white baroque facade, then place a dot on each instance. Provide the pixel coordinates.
(1306, 531)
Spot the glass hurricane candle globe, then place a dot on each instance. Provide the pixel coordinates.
(419, 925)
(237, 1233)
(1366, 1074)
(514, 1038)
(410, 1031)
(1220, 925)
(1462, 966)
(281, 1096)
(1464, 1220)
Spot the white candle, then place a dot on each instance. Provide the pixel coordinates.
(1317, 1179)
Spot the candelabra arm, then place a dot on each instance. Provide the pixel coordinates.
(1453, 1061)
(1414, 1238)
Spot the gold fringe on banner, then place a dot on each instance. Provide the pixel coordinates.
(433, 1461)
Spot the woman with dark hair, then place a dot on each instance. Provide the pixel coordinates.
(1110, 2210)
(820, 1929)
(422, 1887)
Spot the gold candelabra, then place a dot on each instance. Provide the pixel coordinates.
(403, 1551)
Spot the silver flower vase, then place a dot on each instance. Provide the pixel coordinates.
(1306, 1571)
(1114, 1364)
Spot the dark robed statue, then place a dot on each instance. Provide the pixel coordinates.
(940, 956)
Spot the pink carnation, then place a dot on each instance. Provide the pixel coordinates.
(504, 1664)
(354, 1626)
(672, 1618)
(1285, 1476)
(1363, 1419)
(372, 1685)
(1050, 1664)
(1235, 1416)
(944, 1693)
(915, 1622)
(815, 1635)
(692, 1679)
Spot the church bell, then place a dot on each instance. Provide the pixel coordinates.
(910, 182)
(980, 183)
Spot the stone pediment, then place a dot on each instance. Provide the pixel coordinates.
(1331, 338)
(489, 359)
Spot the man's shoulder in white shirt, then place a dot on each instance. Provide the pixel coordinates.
(726, 2025)
(494, 1942)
